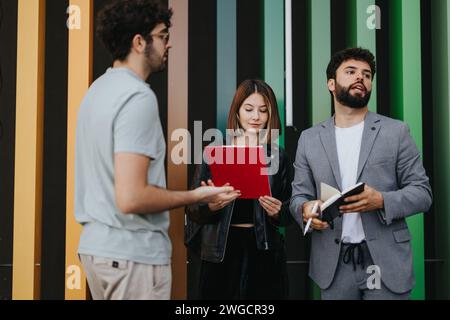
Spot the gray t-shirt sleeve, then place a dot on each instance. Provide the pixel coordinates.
(137, 127)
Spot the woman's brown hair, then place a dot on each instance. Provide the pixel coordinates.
(246, 89)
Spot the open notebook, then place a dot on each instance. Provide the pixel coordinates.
(333, 199)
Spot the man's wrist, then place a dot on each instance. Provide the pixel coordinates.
(303, 208)
(302, 211)
(380, 200)
(193, 196)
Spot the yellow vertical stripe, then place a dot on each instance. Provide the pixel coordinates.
(178, 118)
(29, 148)
(79, 79)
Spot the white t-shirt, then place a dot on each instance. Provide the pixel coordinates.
(348, 142)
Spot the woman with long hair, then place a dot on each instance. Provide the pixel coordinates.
(242, 251)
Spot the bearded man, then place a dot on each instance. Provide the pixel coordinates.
(371, 236)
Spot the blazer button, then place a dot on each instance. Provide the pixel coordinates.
(337, 241)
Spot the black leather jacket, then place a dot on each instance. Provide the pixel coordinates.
(207, 231)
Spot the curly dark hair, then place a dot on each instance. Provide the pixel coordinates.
(358, 54)
(119, 22)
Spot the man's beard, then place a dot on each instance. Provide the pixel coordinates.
(344, 97)
(155, 61)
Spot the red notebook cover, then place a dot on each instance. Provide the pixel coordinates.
(244, 168)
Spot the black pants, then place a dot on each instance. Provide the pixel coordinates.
(246, 272)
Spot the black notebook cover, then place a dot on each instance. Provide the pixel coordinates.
(332, 211)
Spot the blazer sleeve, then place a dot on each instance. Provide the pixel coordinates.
(303, 186)
(414, 194)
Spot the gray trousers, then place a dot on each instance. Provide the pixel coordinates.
(354, 282)
(113, 279)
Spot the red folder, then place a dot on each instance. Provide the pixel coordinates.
(244, 168)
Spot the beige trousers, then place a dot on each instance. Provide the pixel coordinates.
(113, 279)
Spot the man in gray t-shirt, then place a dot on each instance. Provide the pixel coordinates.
(120, 186)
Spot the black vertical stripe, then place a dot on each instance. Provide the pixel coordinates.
(296, 245)
(301, 113)
(158, 83)
(8, 62)
(55, 147)
(340, 38)
(339, 25)
(202, 67)
(202, 91)
(249, 40)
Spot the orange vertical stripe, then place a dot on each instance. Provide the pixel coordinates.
(29, 148)
(79, 80)
(178, 118)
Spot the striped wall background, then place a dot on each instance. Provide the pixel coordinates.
(45, 70)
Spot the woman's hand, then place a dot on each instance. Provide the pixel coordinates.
(271, 205)
(223, 200)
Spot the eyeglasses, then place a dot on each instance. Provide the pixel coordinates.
(165, 36)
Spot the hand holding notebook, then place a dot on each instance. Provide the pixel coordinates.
(333, 199)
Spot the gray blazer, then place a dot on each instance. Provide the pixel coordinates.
(389, 162)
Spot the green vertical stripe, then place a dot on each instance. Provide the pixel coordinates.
(226, 59)
(319, 99)
(440, 11)
(274, 54)
(360, 35)
(406, 102)
(319, 21)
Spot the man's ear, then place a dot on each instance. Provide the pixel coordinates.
(138, 43)
(331, 85)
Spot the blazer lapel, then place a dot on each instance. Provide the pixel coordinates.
(371, 128)
(328, 138)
